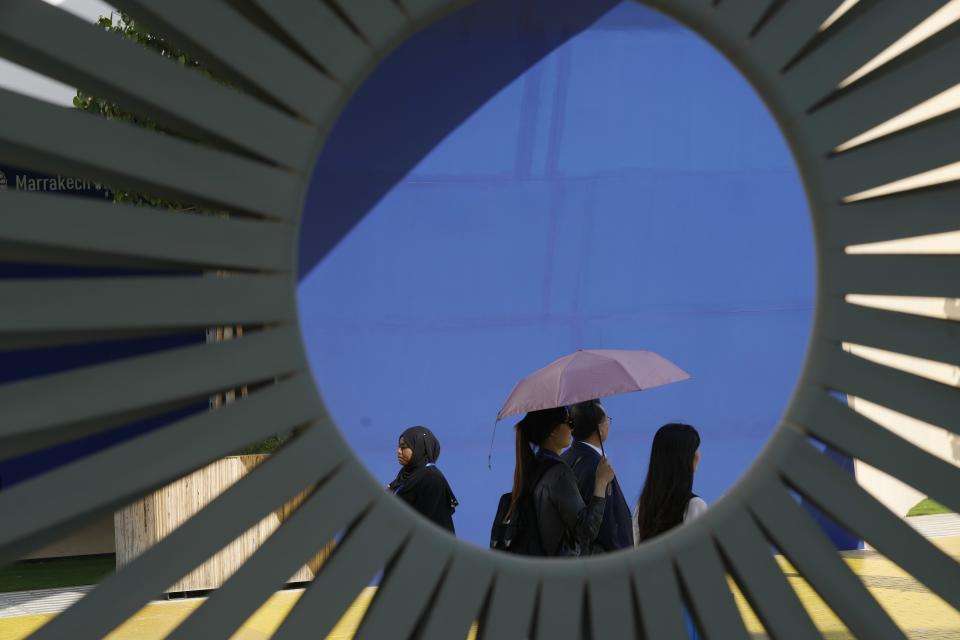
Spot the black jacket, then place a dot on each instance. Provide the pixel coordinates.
(567, 525)
(431, 496)
(616, 530)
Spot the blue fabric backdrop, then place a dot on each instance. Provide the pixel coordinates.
(625, 189)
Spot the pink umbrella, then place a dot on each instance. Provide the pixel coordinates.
(588, 374)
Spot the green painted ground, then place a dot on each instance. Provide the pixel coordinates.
(927, 507)
(58, 572)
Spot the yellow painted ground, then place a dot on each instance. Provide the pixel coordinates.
(917, 611)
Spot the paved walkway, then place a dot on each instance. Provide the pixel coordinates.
(920, 613)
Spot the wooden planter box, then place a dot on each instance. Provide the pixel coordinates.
(145, 522)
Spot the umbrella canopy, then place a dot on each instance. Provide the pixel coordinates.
(588, 374)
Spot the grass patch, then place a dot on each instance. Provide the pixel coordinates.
(55, 572)
(928, 507)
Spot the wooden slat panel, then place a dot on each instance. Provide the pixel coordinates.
(143, 235)
(838, 425)
(790, 28)
(835, 492)
(912, 395)
(379, 21)
(810, 551)
(461, 595)
(317, 520)
(405, 591)
(918, 75)
(900, 155)
(365, 549)
(122, 594)
(851, 45)
(880, 219)
(918, 336)
(512, 601)
(712, 602)
(761, 579)
(80, 485)
(62, 46)
(321, 34)
(658, 596)
(181, 302)
(83, 400)
(906, 275)
(38, 135)
(233, 48)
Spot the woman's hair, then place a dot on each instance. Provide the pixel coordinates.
(669, 484)
(586, 418)
(535, 427)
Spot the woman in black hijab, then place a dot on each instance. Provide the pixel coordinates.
(420, 483)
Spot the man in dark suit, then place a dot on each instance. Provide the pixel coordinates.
(591, 425)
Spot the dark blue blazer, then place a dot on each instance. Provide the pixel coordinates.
(616, 532)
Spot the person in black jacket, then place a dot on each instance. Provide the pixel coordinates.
(591, 426)
(566, 524)
(419, 482)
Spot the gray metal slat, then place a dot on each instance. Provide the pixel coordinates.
(900, 155)
(272, 483)
(84, 400)
(840, 426)
(561, 603)
(461, 596)
(360, 553)
(738, 18)
(509, 614)
(38, 135)
(238, 50)
(407, 586)
(912, 395)
(762, 581)
(881, 219)
(904, 275)
(84, 488)
(610, 600)
(321, 34)
(913, 335)
(657, 590)
(380, 22)
(917, 76)
(837, 494)
(811, 552)
(711, 600)
(787, 31)
(851, 45)
(152, 302)
(143, 235)
(316, 521)
(62, 46)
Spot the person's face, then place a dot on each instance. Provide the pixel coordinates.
(404, 453)
(696, 458)
(562, 435)
(604, 428)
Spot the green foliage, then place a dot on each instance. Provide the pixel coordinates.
(125, 27)
(927, 507)
(269, 445)
(55, 572)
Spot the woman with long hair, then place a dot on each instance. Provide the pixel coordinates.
(667, 499)
(565, 525)
(419, 482)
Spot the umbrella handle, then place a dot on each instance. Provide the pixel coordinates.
(490, 451)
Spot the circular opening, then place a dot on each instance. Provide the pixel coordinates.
(599, 177)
